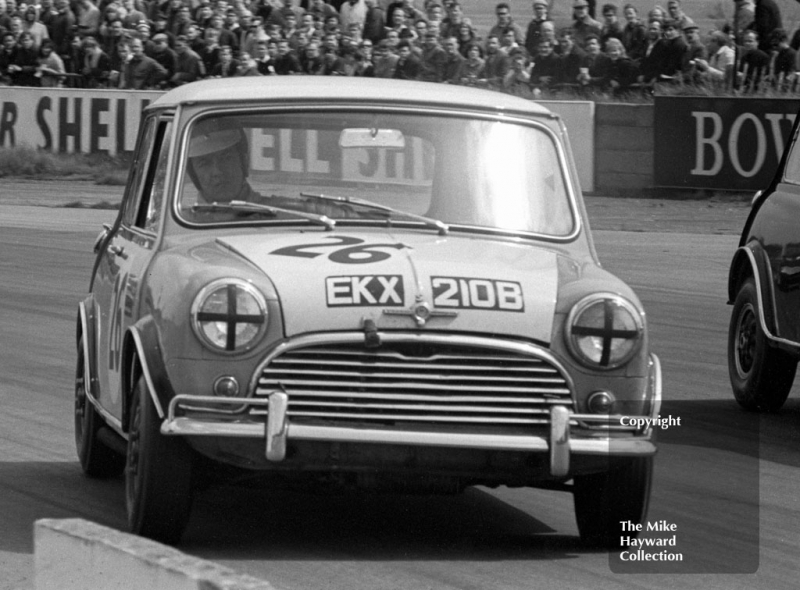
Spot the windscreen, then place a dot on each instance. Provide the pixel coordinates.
(374, 168)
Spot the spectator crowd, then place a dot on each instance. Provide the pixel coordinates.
(609, 49)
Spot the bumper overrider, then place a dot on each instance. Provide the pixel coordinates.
(568, 433)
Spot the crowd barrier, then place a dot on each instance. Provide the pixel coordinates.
(75, 554)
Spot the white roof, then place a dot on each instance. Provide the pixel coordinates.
(333, 89)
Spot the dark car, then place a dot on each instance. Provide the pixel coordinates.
(764, 287)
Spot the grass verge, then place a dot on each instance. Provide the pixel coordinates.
(31, 163)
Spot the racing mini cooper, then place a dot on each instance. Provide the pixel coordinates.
(374, 284)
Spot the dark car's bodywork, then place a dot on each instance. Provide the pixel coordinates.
(764, 287)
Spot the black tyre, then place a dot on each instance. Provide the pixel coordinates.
(602, 500)
(97, 460)
(761, 375)
(158, 475)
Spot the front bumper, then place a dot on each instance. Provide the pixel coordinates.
(569, 433)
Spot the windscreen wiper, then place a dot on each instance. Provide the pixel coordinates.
(249, 206)
(442, 227)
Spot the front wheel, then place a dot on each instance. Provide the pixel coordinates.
(97, 459)
(158, 475)
(603, 500)
(761, 375)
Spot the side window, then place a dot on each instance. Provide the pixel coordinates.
(792, 171)
(152, 206)
(146, 192)
(144, 149)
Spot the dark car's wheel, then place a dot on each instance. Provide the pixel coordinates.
(761, 375)
(158, 476)
(97, 459)
(603, 500)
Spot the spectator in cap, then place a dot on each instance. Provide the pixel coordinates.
(695, 50)
(541, 14)
(583, 24)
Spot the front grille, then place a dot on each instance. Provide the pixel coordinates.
(427, 383)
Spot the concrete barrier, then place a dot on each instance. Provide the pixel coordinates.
(75, 554)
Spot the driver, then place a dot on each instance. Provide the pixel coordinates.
(219, 163)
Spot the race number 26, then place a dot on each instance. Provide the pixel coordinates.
(470, 293)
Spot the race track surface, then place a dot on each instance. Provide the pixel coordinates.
(728, 479)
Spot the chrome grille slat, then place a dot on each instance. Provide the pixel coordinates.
(420, 408)
(404, 418)
(302, 395)
(289, 383)
(420, 366)
(416, 381)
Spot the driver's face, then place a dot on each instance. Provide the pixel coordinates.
(219, 174)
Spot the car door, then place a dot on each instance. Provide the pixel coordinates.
(125, 255)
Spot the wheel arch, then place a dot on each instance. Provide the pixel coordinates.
(85, 336)
(749, 261)
(141, 354)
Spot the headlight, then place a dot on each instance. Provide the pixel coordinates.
(229, 315)
(604, 330)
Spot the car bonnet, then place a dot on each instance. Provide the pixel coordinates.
(334, 282)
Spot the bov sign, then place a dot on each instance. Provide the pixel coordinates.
(720, 143)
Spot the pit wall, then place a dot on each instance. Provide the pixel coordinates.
(624, 155)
